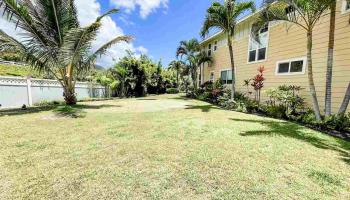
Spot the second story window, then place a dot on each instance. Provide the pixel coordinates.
(209, 50)
(257, 49)
(215, 45)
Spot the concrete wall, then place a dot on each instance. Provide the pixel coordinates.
(14, 91)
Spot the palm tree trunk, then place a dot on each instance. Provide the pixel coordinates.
(329, 75)
(233, 89)
(194, 77)
(315, 104)
(345, 103)
(69, 92)
(177, 79)
(69, 87)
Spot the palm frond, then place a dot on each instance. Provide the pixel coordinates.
(103, 49)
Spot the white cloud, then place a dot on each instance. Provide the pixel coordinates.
(142, 50)
(88, 11)
(146, 6)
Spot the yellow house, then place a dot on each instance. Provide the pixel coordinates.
(282, 51)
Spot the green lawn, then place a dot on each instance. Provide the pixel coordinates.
(165, 147)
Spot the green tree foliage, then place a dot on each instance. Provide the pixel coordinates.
(52, 39)
(138, 76)
(305, 14)
(223, 16)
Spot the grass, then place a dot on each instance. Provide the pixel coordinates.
(22, 71)
(165, 147)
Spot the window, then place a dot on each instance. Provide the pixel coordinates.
(209, 50)
(290, 67)
(211, 78)
(215, 45)
(226, 76)
(257, 50)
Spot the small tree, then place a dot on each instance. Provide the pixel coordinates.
(52, 39)
(177, 66)
(258, 83)
(224, 17)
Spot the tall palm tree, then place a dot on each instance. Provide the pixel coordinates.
(177, 66)
(52, 39)
(224, 17)
(345, 102)
(187, 50)
(197, 60)
(330, 59)
(305, 14)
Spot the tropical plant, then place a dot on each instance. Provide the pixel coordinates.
(177, 66)
(224, 17)
(303, 13)
(197, 60)
(188, 50)
(52, 39)
(122, 80)
(258, 83)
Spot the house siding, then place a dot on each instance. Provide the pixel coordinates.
(287, 41)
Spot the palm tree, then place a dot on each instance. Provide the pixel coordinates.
(305, 14)
(330, 58)
(121, 74)
(188, 50)
(177, 66)
(52, 39)
(224, 17)
(197, 60)
(345, 102)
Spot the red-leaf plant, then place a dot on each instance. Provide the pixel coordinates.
(258, 83)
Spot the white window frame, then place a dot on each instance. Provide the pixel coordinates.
(290, 61)
(228, 69)
(344, 10)
(256, 55)
(212, 79)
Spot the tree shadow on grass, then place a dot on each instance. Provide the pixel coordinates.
(295, 131)
(203, 108)
(58, 109)
(147, 99)
(181, 98)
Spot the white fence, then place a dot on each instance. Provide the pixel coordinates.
(15, 92)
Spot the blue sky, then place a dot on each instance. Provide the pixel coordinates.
(157, 25)
(160, 31)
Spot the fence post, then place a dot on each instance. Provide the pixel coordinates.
(29, 91)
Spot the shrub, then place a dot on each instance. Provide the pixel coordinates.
(338, 122)
(205, 96)
(172, 90)
(286, 100)
(47, 103)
